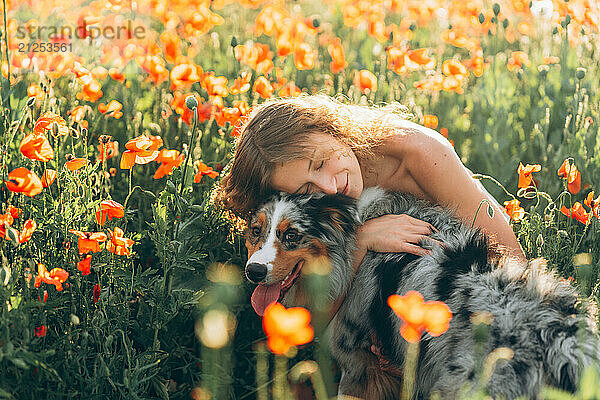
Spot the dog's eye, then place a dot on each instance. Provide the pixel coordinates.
(290, 235)
(255, 231)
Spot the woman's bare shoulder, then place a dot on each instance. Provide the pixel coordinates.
(411, 140)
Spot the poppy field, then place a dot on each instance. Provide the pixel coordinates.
(121, 279)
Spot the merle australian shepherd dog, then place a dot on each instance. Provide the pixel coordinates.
(533, 312)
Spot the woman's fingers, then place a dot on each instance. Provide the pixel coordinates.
(415, 249)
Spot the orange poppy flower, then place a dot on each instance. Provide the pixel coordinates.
(453, 67)
(112, 109)
(286, 327)
(44, 124)
(338, 60)
(419, 315)
(155, 66)
(215, 85)
(513, 208)
(577, 212)
(304, 57)
(241, 84)
(185, 75)
(91, 89)
(21, 180)
(15, 212)
(118, 244)
(34, 90)
(366, 81)
(258, 56)
(204, 169)
(517, 59)
(85, 265)
(263, 87)
(109, 149)
(5, 221)
(138, 152)
(76, 163)
(36, 147)
(116, 75)
(594, 204)
(56, 277)
(89, 241)
(171, 42)
(569, 172)
(99, 72)
(289, 90)
(97, 293)
(227, 114)
(525, 174)
(28, 228)
(109, 209)
(430, 121)
(168, 159)
(403, 61)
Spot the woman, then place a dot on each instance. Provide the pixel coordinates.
(311, 144)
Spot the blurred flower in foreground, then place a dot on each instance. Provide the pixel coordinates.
(168, 159)
(216, 328)
(514, 209)
(286, 327)
(525, 174)
(56, 277)
(569, 172)
(430, 121)
(419, 315)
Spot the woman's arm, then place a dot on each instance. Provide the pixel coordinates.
(436, 168)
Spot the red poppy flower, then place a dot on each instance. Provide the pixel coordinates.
(21, 180)
(366, 81)
(569, 172)
(41, 331)
(36, 147)
(204, 169)
(525, 172)
(55, 277)
(138, 152)
(28, 228)
(577, 212)
(85, 265)
(109, 209)
(89, 241)
(263, 87)
(168, 159)
(118, 244)
(48, 177)
(76, 163)
(97, 293)
(513, 208)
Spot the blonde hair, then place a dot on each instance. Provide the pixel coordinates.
(278, 130)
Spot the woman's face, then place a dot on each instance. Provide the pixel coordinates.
(331, 168)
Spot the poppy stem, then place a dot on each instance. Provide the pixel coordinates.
(189, 153)
(410, 370)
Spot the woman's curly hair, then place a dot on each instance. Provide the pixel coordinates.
(278, 130)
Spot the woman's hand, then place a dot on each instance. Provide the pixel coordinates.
(395, 234)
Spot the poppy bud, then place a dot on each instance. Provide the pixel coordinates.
(580, 73)
(31, 102)
(171, 187)
(412, 27)
(554, 30)
(496, 8)
(316, 23)
(234, 41)
(191, 102)
(505, 23)
(84, 131)
(149, 194)
(543, 69)
(74, 319)
(481, 18)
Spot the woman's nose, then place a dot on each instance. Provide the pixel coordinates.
(328, 185)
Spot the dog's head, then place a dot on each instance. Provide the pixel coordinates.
(289, 231)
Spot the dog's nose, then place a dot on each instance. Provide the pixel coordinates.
(256, 272)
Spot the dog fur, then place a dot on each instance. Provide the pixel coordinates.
(534, 313)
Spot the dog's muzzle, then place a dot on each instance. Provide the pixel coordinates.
(256, 272)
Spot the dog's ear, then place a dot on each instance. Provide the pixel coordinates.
(337, 211)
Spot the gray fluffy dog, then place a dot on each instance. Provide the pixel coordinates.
(532, 312)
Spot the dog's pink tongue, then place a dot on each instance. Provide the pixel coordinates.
(263, 296)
